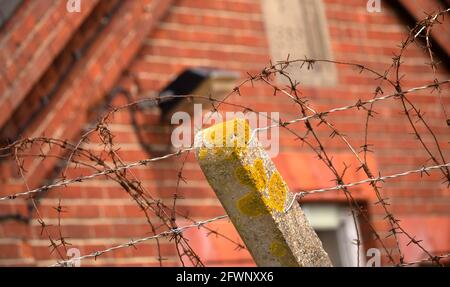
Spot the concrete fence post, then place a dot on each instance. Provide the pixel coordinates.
(255, 196)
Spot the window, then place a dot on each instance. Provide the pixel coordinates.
(335, 227)
(298, 28)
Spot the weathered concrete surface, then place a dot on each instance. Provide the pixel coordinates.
(255, 197)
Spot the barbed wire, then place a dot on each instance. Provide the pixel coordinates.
(168, 233)
(144, 162)
(359, 104)
(296, 195)
(423, 170)
(65, 182)
(425, 260)
(283, 124)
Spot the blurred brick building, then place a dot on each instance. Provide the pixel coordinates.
(60, 69)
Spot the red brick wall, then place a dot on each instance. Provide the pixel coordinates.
(223, 34)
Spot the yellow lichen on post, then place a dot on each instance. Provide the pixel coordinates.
(278, 249)
(253, 176)
(251, 204)
(227, 139)
(277, 192)
(254, 195)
